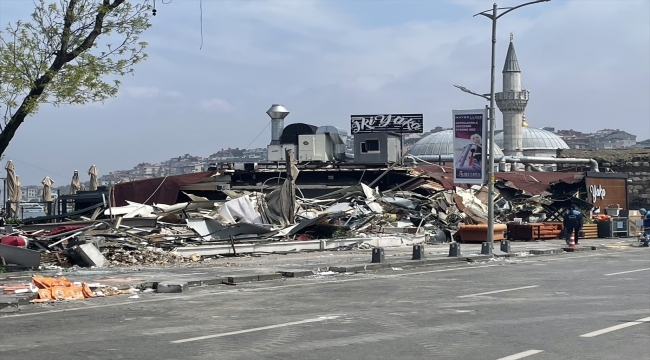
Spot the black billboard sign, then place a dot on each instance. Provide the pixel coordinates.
(399, 123)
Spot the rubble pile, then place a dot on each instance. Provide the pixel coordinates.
(427, 205)
(120, 256)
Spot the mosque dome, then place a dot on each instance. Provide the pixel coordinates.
(536, 139)
(440, 143)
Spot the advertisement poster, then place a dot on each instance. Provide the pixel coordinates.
(469, 146)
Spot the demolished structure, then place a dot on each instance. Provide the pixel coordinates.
(312, 195)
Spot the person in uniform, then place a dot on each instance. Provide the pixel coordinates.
(572, 223)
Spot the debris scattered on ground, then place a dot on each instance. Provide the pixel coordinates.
(193, 231)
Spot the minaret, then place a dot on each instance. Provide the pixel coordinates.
(512, 103)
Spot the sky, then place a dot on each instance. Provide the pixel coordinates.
(206, 88)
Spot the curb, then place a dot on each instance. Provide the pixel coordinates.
(182, 286)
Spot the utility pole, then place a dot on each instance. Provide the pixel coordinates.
(493, 14)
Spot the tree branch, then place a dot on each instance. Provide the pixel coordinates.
(51, 60)
(67, 25)
(104, 9)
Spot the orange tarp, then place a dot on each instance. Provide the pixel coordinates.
(59, 289)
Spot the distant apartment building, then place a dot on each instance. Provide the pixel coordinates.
(438, 129)
(602, 139)
(643, 144)
(189, 168)
(258, 154)
(612, 139)
(147, 170)
(574, 139)
(115, 177)
(31, 193)
(227, 154)
(237, 155)
(181, 165)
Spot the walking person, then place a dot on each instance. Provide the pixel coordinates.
(646, 221)
(572, 223)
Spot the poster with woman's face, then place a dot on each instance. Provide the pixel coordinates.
(469, 140)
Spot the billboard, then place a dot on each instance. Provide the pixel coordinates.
(469, 146)
(399, 123)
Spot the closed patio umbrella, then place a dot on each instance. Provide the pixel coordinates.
(75, 185)
(13, 189)
(93, 177)
(47, 192)
(19, 194)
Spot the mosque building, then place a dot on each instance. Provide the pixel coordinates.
(517, 138)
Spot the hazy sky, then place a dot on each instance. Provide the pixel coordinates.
(586, 63)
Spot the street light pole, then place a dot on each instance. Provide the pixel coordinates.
(490, 180)
(494, 16)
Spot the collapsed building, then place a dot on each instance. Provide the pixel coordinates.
(317, 197)
(311, 194)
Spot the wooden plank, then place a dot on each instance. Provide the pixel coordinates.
(96, 213)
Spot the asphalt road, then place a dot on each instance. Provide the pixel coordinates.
(592, 305)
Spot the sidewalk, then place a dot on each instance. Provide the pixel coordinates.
(234, 270)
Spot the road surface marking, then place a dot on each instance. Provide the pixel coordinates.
(615, 327)
(497, 291)
(627, 272)
(522, 355)
(563, 257)
(434, 271)
(318, 319)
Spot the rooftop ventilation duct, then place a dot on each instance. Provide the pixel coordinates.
(277, 113)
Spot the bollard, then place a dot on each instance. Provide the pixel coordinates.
(505, 246)
(486, 249)
(454, 249)
(418, 252)
(378, 255)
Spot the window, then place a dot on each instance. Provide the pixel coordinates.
(370, 146)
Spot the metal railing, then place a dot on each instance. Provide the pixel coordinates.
(24, 210)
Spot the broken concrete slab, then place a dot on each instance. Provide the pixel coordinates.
(14, 255)
(90, 255)
(504, 254)
(172, 288)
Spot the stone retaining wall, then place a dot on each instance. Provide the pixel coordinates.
(638, 185)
